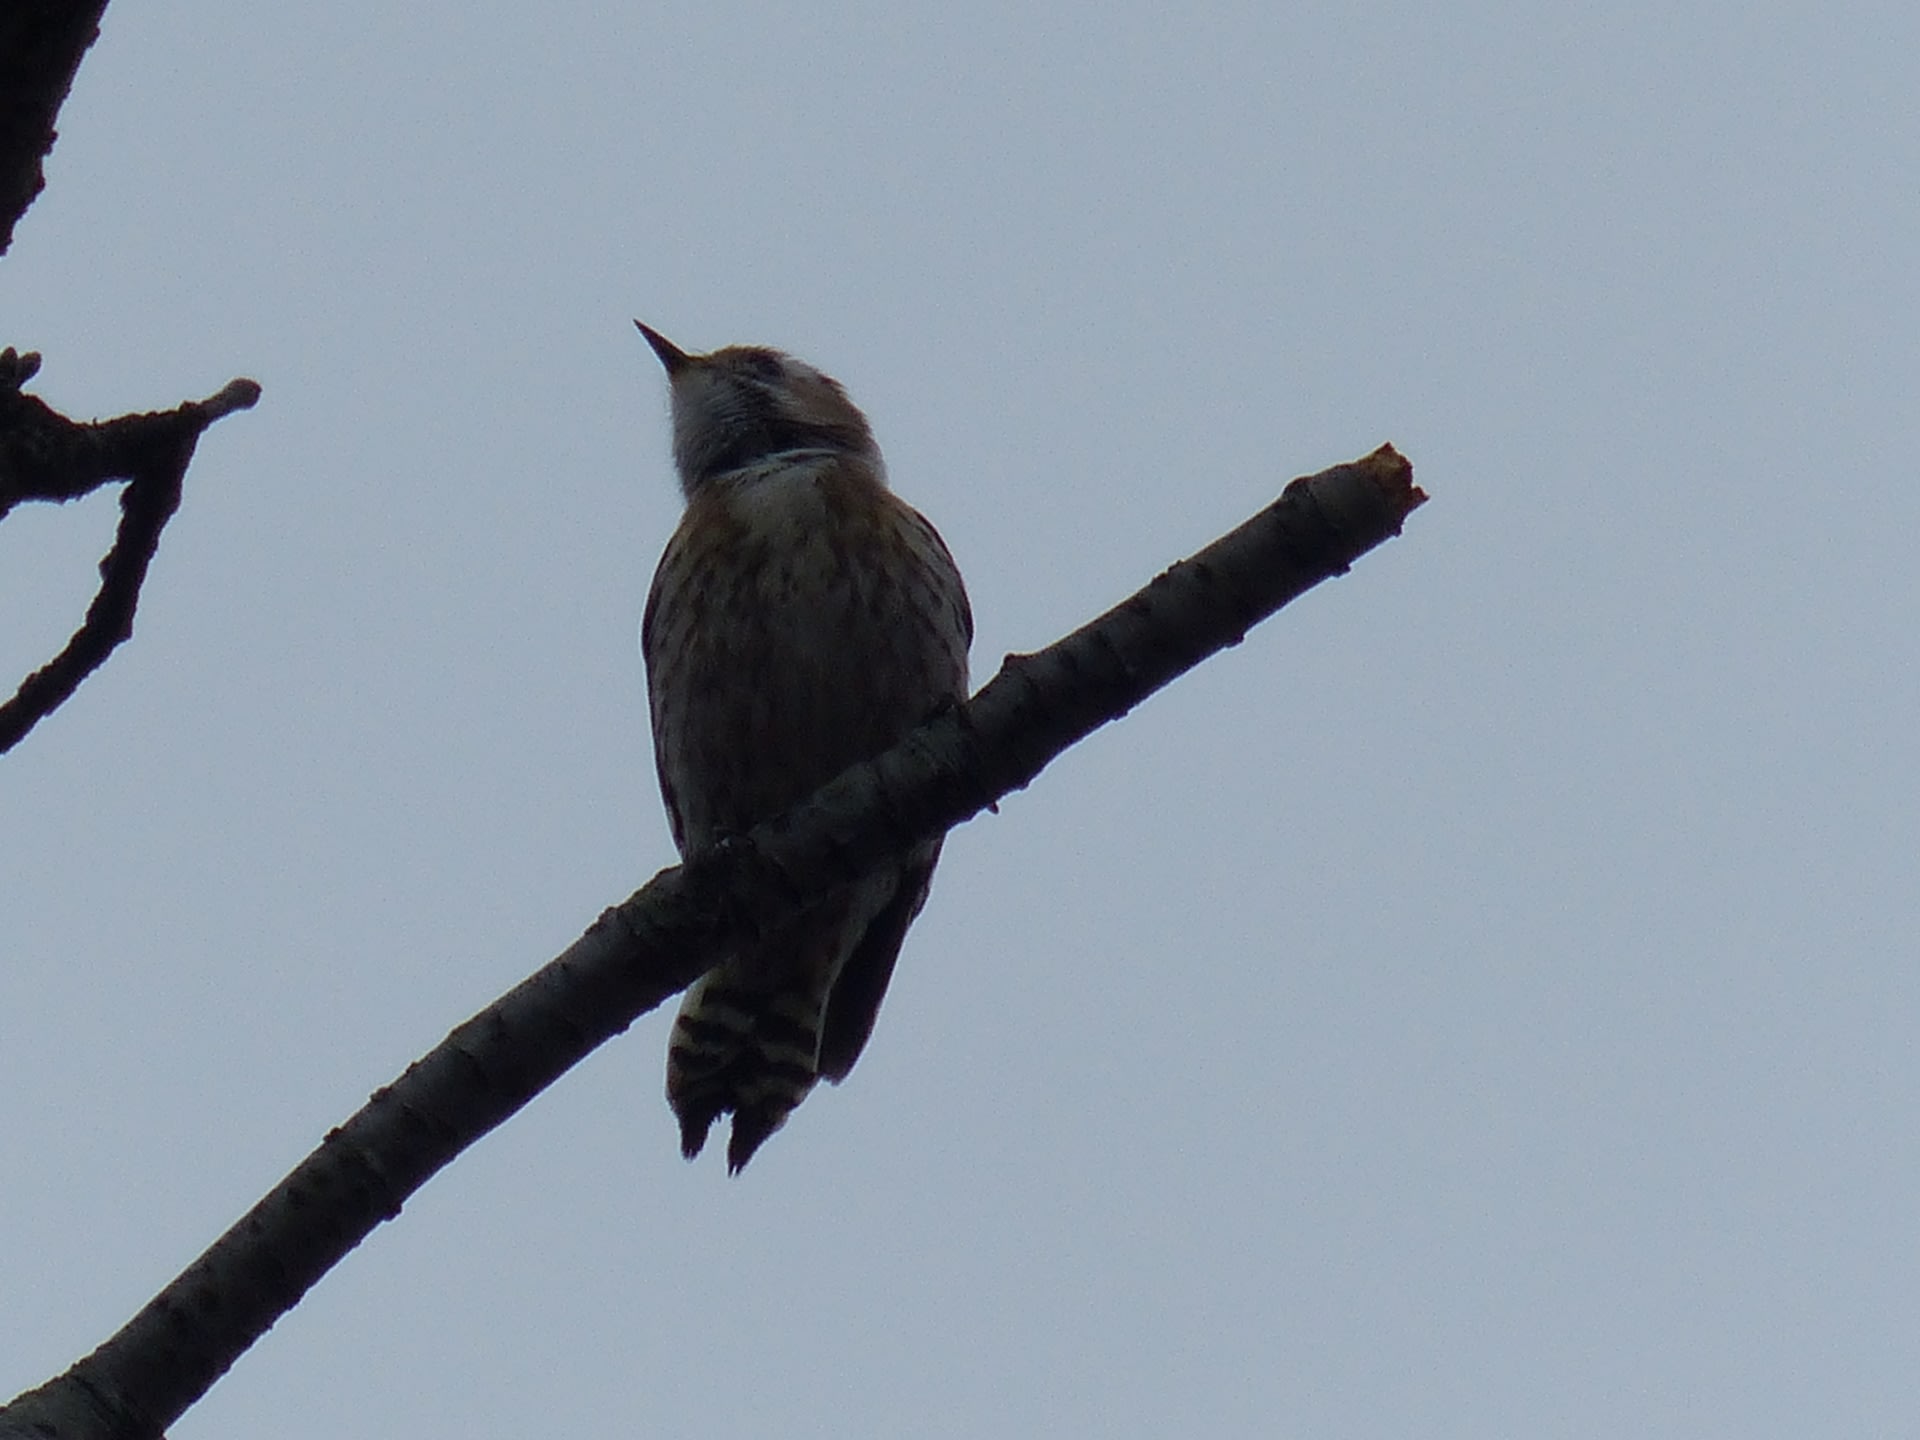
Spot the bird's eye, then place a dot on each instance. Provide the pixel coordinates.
(764, 365)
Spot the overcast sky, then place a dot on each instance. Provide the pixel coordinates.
(1482, 1004)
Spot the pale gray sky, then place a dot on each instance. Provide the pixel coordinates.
(1482, 1004)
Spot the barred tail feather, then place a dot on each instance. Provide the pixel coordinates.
(754, 1054)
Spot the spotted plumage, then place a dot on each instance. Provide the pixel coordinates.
(802, 618)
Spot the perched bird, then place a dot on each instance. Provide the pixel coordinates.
(803, 618)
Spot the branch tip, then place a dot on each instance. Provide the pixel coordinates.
(241, 394)
(17, 368)
(1393, 473)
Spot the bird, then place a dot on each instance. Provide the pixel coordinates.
(803, 618)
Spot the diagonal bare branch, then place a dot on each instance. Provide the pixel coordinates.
(662, 938)
(41, 42)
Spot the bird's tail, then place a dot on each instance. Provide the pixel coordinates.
(754, 1053)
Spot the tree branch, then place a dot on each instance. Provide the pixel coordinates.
(658, 941)
(41, 42)
(44, 456)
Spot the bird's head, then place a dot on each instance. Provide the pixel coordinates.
(737, 406)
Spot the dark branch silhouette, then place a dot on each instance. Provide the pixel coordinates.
(44, 456)
(41, 42)
(666, 935)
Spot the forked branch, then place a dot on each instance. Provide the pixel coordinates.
(45, 456)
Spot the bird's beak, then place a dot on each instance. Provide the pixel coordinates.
(671, 355)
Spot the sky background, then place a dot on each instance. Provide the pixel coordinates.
(1482, 1004)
